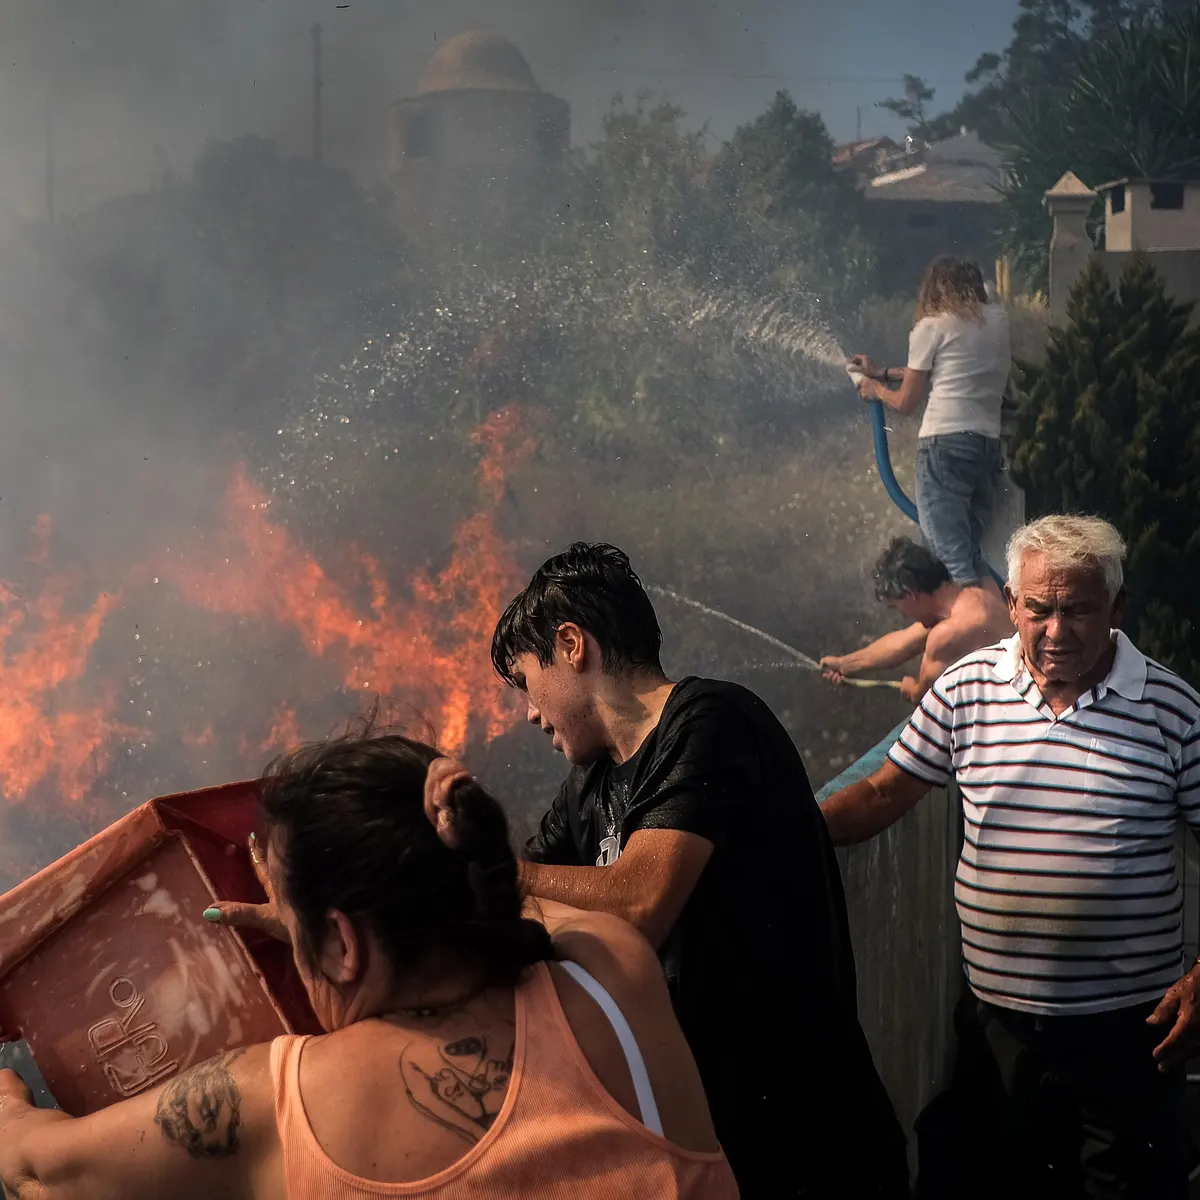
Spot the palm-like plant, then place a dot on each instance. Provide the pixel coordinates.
(1131, 108)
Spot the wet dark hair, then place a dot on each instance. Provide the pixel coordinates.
(347, 818)
(592, 585)
(906, 567)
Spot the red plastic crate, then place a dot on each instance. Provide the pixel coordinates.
(109, 971)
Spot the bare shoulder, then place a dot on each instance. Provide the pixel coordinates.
(978, 620)
(613, 952)
(625, 965)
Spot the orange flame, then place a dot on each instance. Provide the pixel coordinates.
(432, 650)
(285, 732)
(43, 658)
(425, 644)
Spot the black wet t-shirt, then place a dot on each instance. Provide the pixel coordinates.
(760, 964)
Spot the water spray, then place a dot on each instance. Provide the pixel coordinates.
(799, 656)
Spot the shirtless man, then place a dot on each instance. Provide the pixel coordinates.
(949, 620)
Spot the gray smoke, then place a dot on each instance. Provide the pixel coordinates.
(135, 87)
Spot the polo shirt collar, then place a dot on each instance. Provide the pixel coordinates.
(1127, 676)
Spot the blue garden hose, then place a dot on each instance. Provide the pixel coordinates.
(883, 463)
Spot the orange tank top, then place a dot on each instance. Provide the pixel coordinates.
(558, 1136)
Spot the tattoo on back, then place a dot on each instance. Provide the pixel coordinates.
(460, 1084)
(200, 1111)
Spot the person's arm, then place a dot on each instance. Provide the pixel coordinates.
(921, 759)
(941, 651)
(205, 1133)
(923, 343)
(704, 770)
(906, 399)
(647, 886)
(865, 809)
(888, 651)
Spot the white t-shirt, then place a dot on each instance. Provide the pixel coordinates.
(969, 365)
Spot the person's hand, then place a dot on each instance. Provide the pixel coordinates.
(869, 389)
(910, 689)
(834, 668)
(262, 917)
(1180, 1009)
(443, 776)
(865, 366)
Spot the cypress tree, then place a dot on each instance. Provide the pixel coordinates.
(1110, 424)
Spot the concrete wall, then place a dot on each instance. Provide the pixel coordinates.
(1180, 270)
(907, 942)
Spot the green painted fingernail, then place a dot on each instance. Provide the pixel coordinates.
(212, 914)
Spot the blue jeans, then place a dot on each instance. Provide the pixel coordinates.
(956, 483)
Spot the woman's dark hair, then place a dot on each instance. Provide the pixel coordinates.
(347, 818)
(904, 568)
(593, 586)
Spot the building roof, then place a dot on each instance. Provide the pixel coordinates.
(943, 184)
(1116, 183)
(956, 170)
(1070, 185)
(851, 150)
(964, 149)
(477, 61)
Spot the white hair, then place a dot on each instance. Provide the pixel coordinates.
(1071, 543)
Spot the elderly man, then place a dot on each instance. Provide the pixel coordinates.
(1076, 757)
(949, 620)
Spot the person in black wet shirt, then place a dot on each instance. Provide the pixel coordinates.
(688, 812)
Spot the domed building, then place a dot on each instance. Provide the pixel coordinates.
(477, 147)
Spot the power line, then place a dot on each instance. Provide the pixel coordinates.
(769, 76)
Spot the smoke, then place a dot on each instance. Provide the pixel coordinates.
(161, 335)
(135, 87)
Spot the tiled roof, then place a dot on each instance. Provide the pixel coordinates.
(851, 150)
(948, 183)
(960, 170)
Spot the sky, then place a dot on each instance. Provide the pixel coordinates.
(133, 87)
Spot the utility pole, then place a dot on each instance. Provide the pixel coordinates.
(318, 83)
(49, 159)
(858, 125)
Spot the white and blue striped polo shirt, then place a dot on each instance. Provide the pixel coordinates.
(1067, 888)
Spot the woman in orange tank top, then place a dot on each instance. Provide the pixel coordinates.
(468, 1053)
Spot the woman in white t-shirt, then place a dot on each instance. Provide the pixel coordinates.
(959, 355)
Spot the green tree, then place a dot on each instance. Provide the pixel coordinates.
(1110, 424)
(785, 216)
(913, 106)
(641, 191)
(765, 211)
(1048, 38)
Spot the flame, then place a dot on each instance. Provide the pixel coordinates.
(48, 729)
(334, 626)
(285, 732)
(431, 649)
